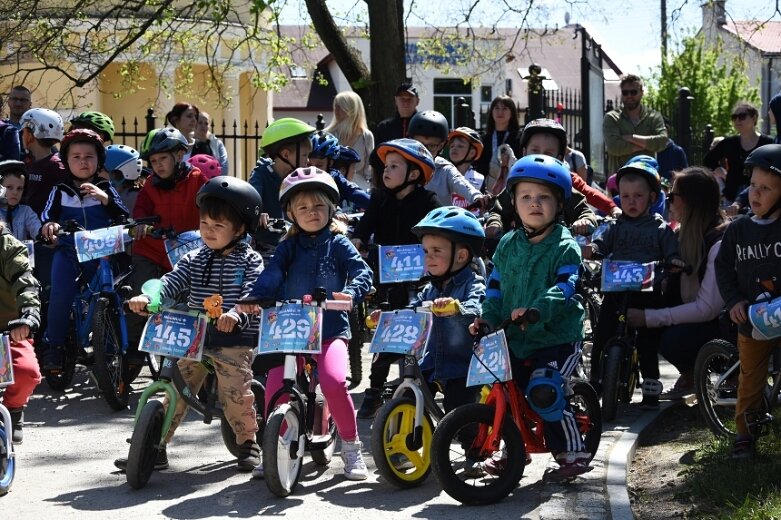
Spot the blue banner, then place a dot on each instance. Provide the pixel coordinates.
(291, 328)
(624, 276)
(490, 362)
(6, 362)
(766, 319)
(184, 242)
(173, 333)
(402, 332)
(98, 243)
(401, 263)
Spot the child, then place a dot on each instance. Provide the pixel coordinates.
(91, 202)
(97, 122)
(325, 150)
(346, 161)
(316, 253)
(21, 220)
(536, 266)
(229, 209)
(123, 165)
(464, 148)
(748, 270)
(41, 130)
(393, 211)
(638, 236)
(20, 315)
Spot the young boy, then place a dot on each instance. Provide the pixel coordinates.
(393, 211)
(91, 202)
(325, 151)
(536, 266)
(638, 236)
(464, 148)
(748, 270)
(21, 221)
(229, 209)
(97, 122)
(42, 129)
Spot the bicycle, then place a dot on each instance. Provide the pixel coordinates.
(470, 436)
(153, 421)
(7, 454)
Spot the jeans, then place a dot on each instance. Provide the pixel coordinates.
(679, 344)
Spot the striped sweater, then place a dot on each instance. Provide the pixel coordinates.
(200, 274)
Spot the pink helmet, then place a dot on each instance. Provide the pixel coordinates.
(208, 165)
(612, 183)
(309, 178)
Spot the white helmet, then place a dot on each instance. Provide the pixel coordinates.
(43, 123)
(124, 159)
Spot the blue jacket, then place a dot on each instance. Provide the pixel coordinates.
(349, 191)
(264, 179)
(449, 347)
(671, 159)
(303, 263)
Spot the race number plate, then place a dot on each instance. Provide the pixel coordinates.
(402, 332)
(623, 276)
(98, 243)
(401, 263)
(766, 318)
(184, 242)
(490, 362)
(173, 333)
(6, 363)
(291, 328)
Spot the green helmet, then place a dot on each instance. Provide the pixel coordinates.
(97, 121)
(284, 131)
(147, 141)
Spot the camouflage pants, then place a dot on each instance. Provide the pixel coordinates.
(233, 367)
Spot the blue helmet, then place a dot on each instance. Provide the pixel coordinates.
(456, 224)
(123, 159)
(324, 145)
(640, 165)
(541, 169)
(347, 155)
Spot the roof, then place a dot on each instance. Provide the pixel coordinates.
(763, 36)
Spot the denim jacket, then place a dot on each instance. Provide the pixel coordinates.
(449, 347)
(304, 262)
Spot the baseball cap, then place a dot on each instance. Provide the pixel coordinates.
(407, 88)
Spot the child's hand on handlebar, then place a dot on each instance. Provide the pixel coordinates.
(476, 325)
(343, 297)
(678, 263)
(20, 333)
(445, 307)
(138, 304)
(248, 308)
(49, 231)
(738, 312)
(517, 314)
(226, 322)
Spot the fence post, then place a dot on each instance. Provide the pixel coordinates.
(151, 119)
(465, 116)
(707, 138)
(536, 92)
(320, 123)
(685, 120)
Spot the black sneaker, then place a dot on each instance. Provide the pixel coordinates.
(52, 358)
(650, 402)
(249, 456)
(17, 421)
(371, 403)
(161, 462)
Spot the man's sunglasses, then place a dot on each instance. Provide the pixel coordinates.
(739, 116)
(629, 92)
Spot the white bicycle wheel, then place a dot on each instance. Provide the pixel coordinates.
(283, 450)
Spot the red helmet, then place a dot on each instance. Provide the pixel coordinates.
(83, 135)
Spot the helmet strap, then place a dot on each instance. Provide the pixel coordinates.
(772, 210)
(403, 185)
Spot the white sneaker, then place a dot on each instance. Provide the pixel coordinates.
(354, 466)
(258, 471)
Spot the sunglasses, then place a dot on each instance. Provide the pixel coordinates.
(629, 92)
(740, 116)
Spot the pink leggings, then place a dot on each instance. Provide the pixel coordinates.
(332, 366)
(26, 375)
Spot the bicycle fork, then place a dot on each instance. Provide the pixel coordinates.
(162, 385)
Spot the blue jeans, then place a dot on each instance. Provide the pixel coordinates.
(65, 273)
(680, 343)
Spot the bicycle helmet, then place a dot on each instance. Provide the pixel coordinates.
(645, 170)
(612, 184)
(124, 159)
(541, 169)
(309, 178)
(456, 224)
(347, 155)
(544, 126)
(43, 123)
(147, 141)
(412, 151)
(767, 157)
(239, 194)
(429, 123)
(82, 135)
(208, 165)
(12, 165)
(166, 140)
(97, 121)
(472, 138)
(284, 131)
(324, 145)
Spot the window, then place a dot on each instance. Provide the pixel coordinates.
(446, 93)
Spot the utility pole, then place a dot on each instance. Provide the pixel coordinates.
(664, 30)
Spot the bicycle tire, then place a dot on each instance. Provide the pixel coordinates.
(282, 450)
(486, 489)
(7, 465)
(229, 437)
(144, 444)
(713, 360)
(355, 346)
(63, 378)
(611, 380)
(110, 368)
(631, 376)
(592, 306)
(392, 431)
(584, 404)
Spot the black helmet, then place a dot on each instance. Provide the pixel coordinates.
(544, 126)
(430, 124)
(767, 157)
(12, 165)
(166, 140)
(239, 194)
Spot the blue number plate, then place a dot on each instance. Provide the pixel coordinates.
(490, 362)
(766, 318)
(401, 263)
(184, 242)
(6, 362)
(623, 276)
(176, 334)
(402, 332)
(98, 243)
(291, 328)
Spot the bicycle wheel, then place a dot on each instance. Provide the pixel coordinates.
(229, 437)
(283, 450)
(7, 466)
(62, 379)
(592, 305)
(399, 461)
(144, 444)
(584, 404)
(355, 345)
(716, 401)
(611, 380)
(460, 464)
(110, 369)
(631, 376)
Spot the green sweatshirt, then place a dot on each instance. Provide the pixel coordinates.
(18, 287)
(617, 123)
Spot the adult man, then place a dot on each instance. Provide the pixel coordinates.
(395, 127)
(10, 147)
(633, 130)
(19, 102)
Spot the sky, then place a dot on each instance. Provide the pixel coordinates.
(628, 30)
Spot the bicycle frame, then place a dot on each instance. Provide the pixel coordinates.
(504, 396)
(424, 401)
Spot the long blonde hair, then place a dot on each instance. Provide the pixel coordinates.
(336, 225)
(349, 129)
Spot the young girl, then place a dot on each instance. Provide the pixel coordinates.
(20, 219)
(123, 165)
(465, 148)
(93, 203)
(316, 253)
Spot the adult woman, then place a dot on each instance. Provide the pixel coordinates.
(727, 157)
(502, 128)
(695, 203)
(349, 126)
(183, 117)
(208, 143)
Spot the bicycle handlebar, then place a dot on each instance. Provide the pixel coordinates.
(531, 316)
